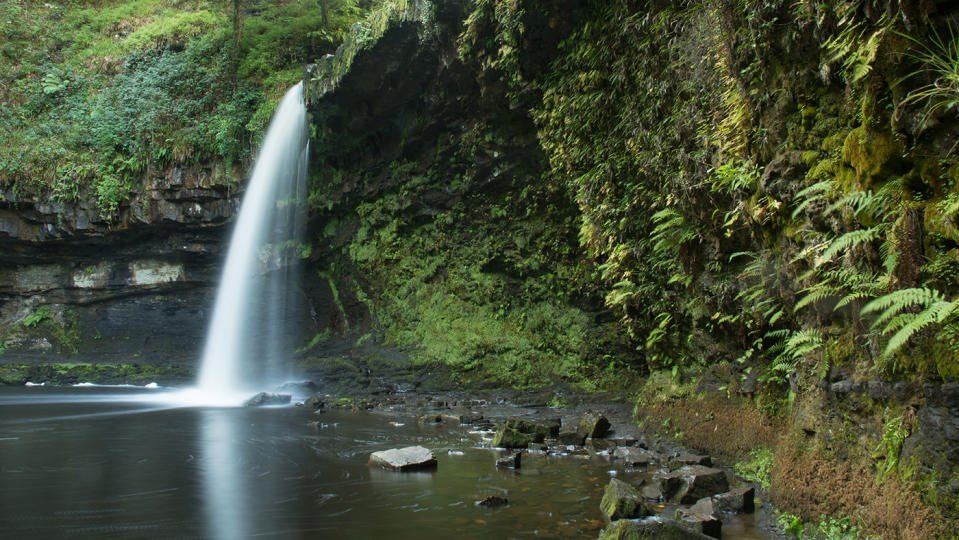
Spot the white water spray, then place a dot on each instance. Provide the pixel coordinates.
(244, 349)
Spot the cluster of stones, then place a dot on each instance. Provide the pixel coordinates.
(687, 479)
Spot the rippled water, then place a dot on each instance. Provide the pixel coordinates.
(111, 463)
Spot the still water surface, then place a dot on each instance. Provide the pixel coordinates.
(113, 463)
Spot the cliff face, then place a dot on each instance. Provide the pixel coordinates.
(755, 197)
(79, 287)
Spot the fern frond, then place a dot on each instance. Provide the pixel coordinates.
(849, 240)
(846, 300)
(934, 314)
(810, 195)
(903, 298)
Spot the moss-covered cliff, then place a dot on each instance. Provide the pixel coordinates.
(758, 197)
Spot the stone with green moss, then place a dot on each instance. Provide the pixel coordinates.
(508, 437)
(654, 528)
(623, 501)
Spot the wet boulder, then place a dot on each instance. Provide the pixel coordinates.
(508, 437)
(707, 524)
(652, 492)
(693, 482)
(735, 501)
(411, 458)
(511, 461)
(593, 425)
(635, 456)
(315, 402)
(601, 446)
(265, 398)
(574, 438)
(653, 528)
(538, 430)
(623, 501)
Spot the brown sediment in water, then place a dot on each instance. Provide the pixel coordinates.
(807, 483)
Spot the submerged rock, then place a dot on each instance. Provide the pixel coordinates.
(266, 398)
(693, 482)
(654, 528)
(623, 501)
(492, 501)
(410, 458)
(511, 461)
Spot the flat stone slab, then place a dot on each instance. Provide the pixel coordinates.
(411, 458)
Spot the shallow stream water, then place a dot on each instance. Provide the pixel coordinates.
(117, 463)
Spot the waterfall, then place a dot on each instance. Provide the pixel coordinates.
(245, 348)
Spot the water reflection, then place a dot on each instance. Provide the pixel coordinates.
(226, 506)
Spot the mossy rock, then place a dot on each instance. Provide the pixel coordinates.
(540, 430)
(623, 501)
(652, 528)
(508, 437)
(867, 151)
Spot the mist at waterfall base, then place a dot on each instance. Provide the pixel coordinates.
(248, 346)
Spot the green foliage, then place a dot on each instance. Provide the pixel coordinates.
(897, 315)
(41, 314)
(757, 466)
(939, 59)
(889, 448)
(95, 96)
(827, 528)
(856, 44)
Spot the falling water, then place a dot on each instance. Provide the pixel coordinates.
(244, 349)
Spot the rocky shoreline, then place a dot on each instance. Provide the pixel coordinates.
(681, 494)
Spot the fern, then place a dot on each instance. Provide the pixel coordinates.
(850, 240)
(671, 230)
(810, 195)
(896, 316)
(791, 347)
